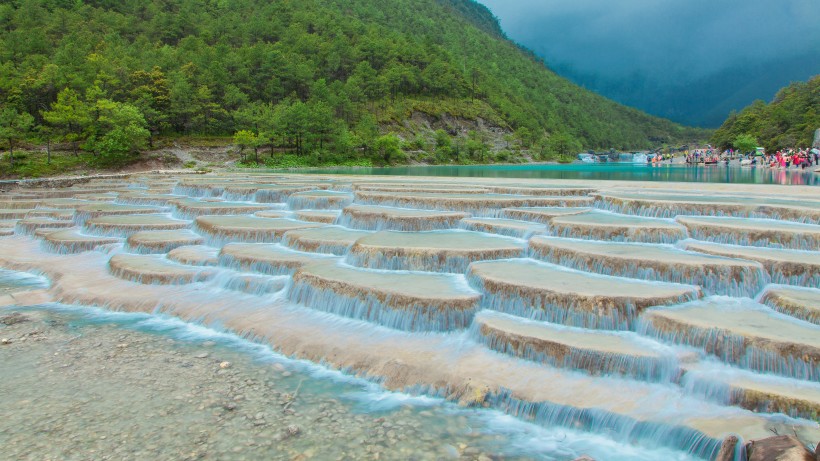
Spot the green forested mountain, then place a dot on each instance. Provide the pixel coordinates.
(788, 121)
(316, 76)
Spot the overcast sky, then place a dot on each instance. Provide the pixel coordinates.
(670, 39)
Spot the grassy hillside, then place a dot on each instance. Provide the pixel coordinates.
(788, 121)
(328, 80)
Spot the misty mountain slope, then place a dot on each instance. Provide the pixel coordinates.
(325, 70)
(693, 61)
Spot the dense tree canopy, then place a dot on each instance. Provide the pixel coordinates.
(307, 75)
(788, 121)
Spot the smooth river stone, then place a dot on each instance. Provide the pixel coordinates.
(508, 227)
(742, 332)
(790, 267)
(72, 241)
(319, 200)
(753, 391)
(541, 291)
(266, 258)
(541, 215)
(436, 251)
(189, 208)
(195, 255)
(754, 232)
(801, 303)
(373, 217)
(409, 301)
(332, 239)
(618, 228)
(320, 216)
(249, 228)
(125, 225)
(163, 241)
(155, 269)
(715, 274)
(669, 205)
(592, 351)
(29, 225)
(477, 204)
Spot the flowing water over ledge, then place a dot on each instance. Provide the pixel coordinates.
(74, 372)
(594, 319)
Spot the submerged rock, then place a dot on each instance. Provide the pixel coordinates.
(779, 448)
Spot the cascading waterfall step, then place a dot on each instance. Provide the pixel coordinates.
(263, 193)
(126, 225)
(319, 200)
(715, 274)
(249, 228)
(592, 351)
(753, 232)
(335, 240)
(273, 214)
(789, 267)
(195, 255)
(54, 213)
(29, 225)
(753, 391)
(541, 291)
(436, 251)
(155, 270)
(24, 204)
(86, 212)
(65, 203)
(801, 303)
(162, 241)
(412, 301)
(318, 216)
(476, 204)
(374, 217)
(426, 188)
(669, 205)
(72, 241)
(266, 258)
(598, 225)
(141, 198)
(258, 285)
(740, 331)
(541, 215)
(543, 190)
(191, 208)
(14, 213)
(508, 227)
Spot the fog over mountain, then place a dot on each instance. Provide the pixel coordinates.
(689, 60)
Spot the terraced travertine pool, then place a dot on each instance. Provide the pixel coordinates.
(654, 316)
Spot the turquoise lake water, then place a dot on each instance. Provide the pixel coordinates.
(614, 171)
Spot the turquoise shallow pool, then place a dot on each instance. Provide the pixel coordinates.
(615, 171)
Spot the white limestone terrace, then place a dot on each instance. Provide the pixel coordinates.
(790, 267)
(607, 340)
(801, 303)
(753, 232)
(715, 274)
(373, 217)
(434, 251)
(666, 204)
(600, 225)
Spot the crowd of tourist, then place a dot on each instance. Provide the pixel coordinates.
(785, 158)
